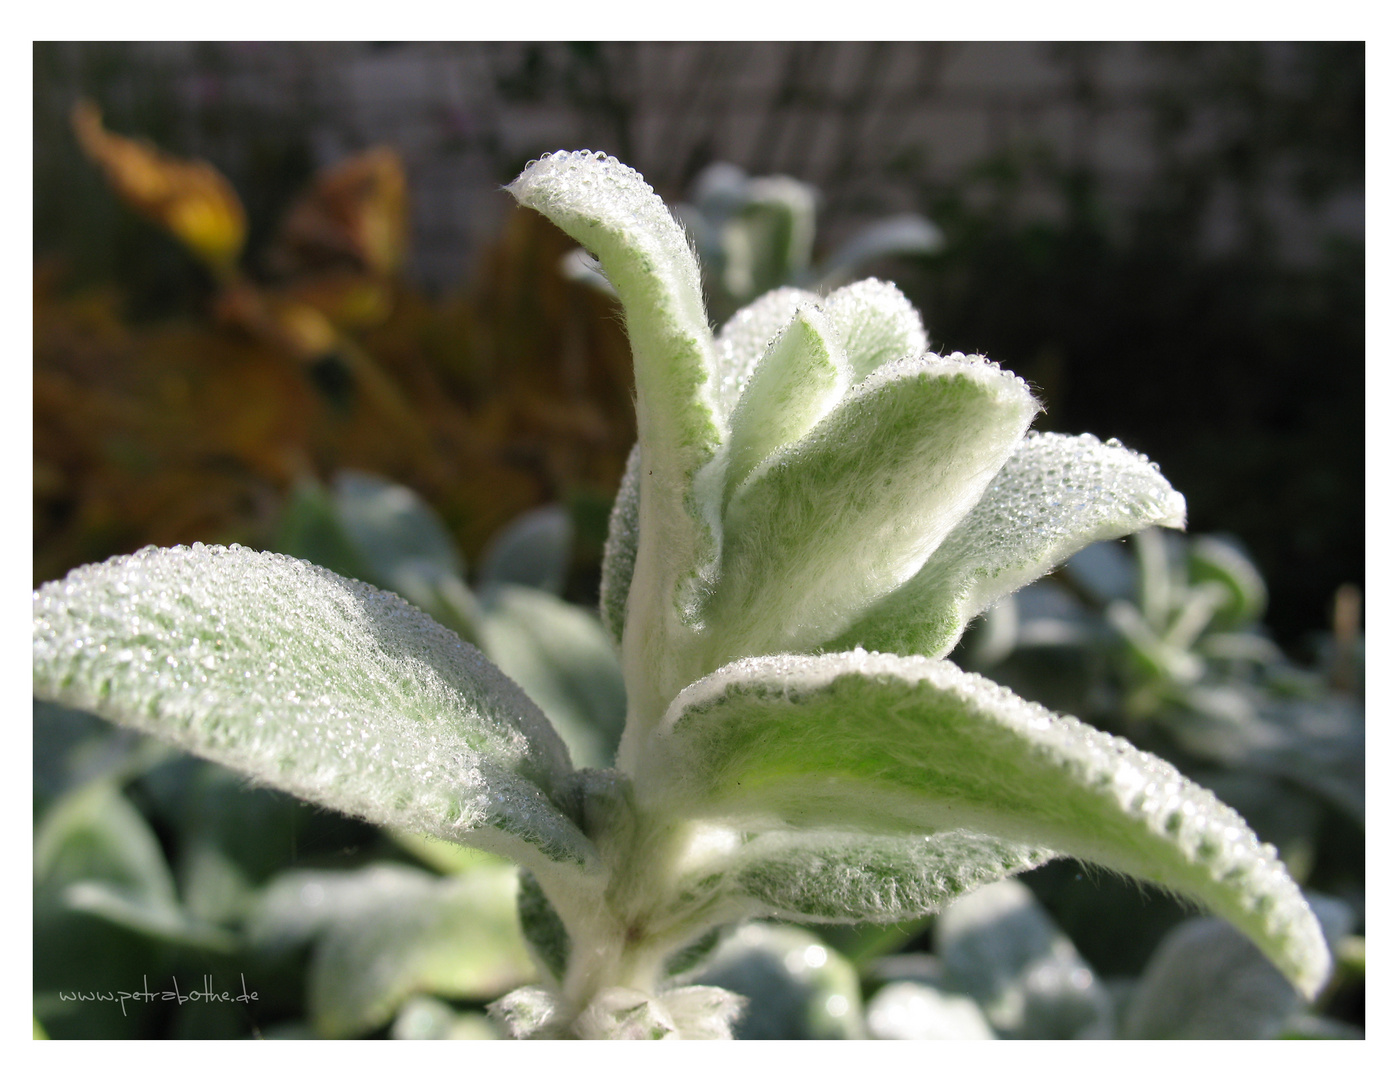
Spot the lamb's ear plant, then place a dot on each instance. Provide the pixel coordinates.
(816, 508)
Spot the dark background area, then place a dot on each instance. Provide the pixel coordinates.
(1166, 240)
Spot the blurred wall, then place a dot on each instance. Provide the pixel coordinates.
(873, 124)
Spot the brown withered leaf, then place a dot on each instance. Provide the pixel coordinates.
(354, 218)
(191, 199)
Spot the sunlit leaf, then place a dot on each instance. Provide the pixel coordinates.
(853, 876)
(898, 744)
(827, 525)
(801, 377)
(1054, 495)
(876, 325)
(610, 209)
(321, 686)
(744, 339)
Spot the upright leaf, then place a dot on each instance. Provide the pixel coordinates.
(745, 337)
(798, 381)
(609, 208)
(560, 655)
(876, 325)
(831, 523)
(618, 557)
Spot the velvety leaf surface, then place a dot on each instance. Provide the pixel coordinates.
(876, 325)
(609, 208)
(1055, 495)
(892, 744)
(827, 525)
(798, 381)
(838, 876)
(324, 687)
(744, 339)
(618, 557)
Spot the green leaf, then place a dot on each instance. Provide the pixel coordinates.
(392, 527)
(95, 853)
(828, 525)
(746, 336)
(909, 1010)
(430, 1018)
(999, 946)
(310, 528)
(388, 932)
(1055, 495)
(801, 377)
(834, 876)
(543, 928)
(383, 533)
(94, 833)
(905, 234)
(73, 748)
(907, 744)
(876, 325)
(770, 239)
(1206, 981)
(609, 208)
(562, 658)
(1212, 558)
(799, 988)
(618, 557)
(534, 549)
(161, 920)
(324, 687)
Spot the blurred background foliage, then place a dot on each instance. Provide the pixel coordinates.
(1166, 239)
(280, 299)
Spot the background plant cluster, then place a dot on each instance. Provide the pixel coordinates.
(461, 447)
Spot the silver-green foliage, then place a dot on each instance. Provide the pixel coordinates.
(816, 509)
